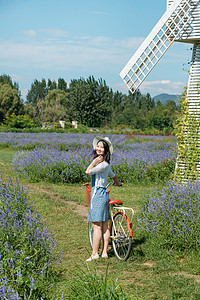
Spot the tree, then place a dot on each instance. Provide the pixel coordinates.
(51, 85)
(163, 115)
(37, 92)
(54, 106)
(6, 79)
(139, 111)
(91, 101)
(118, 99)
(39, 89)
(10, 102)
(34, 111)
(78, 95)
(147, 102)
(100, 102)
(129, 109)
(62, 85)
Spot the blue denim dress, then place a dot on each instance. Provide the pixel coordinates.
(99, 203)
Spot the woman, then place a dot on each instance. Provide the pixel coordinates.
(99, 212)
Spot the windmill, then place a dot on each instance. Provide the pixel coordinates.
(180, 23)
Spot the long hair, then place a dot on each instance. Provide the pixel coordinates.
(106, 155)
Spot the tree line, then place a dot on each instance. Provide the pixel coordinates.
(89, 101)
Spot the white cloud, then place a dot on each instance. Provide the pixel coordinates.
(121, 87)
(96, 52)
(55, 32)
(30, 33)
(99, 41)
(83, 54)
(154, 87)
(162, 86)
(24, 93)
(58, 33)
(48, 56)
(86, 37)
(16, 77)
(131, 43)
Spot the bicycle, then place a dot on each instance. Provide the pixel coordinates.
(121, 232)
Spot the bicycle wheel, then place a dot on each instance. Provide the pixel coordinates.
(121, 240)
(90, 233)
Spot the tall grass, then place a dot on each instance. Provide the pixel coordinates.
(88, 283)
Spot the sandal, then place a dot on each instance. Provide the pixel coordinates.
(105, 255)
(93, 257)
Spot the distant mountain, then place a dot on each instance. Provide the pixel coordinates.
(166, 97)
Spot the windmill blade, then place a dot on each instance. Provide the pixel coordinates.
(169, 28)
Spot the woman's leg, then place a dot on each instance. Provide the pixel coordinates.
(106, 236)
(97, 235)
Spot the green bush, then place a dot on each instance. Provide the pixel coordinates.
(160, 171)
(68, 125)
(20, 121)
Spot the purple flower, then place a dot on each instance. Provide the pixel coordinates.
(173, 214)
(131, 160)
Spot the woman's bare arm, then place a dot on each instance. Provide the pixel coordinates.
(116, 181)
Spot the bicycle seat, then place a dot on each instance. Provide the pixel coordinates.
(117, 202)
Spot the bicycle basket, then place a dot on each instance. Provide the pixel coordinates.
(88, 194)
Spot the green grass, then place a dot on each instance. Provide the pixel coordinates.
(150, 273)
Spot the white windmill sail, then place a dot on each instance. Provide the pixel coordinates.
(170, 27)
(169, 2)
(191, 32)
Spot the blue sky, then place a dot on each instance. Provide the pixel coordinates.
(73, 39)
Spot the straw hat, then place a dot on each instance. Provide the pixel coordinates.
(105, 139)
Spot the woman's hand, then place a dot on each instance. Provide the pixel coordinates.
(116, 181)
(98, 160)
(95, 161)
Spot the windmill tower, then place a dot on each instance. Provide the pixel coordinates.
(180, 23)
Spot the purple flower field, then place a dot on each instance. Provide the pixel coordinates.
(26, 246)
(53, 139)
(63, 157)
(173, 215)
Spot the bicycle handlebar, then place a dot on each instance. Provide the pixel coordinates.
(109, 184)
(113, 183)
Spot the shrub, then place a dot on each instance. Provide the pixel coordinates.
(160, 171)
(68, 125)
(20, 121)
(173, 215)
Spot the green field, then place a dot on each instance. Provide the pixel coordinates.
(150, 273)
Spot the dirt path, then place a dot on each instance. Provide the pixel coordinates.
(80, 209)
